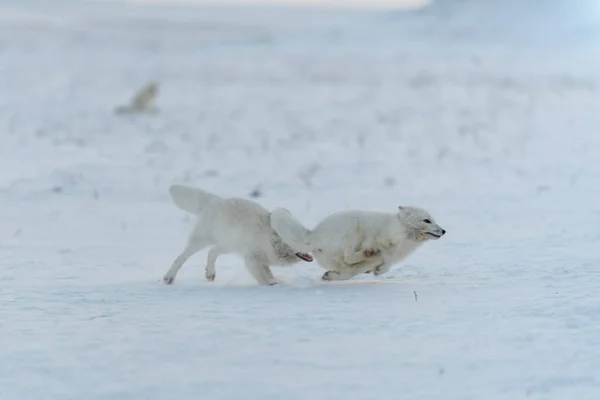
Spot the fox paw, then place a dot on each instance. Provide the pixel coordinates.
(379, 271)
(330, 276)
(210, 275)
(371, 252)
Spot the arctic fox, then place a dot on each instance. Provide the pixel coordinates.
(233, 225)
(350, 243)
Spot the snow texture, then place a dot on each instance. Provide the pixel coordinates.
(315, 111)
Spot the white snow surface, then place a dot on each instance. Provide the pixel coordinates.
(315, 111)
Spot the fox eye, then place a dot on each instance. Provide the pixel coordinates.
(427, 221)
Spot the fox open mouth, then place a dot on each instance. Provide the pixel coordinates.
(305, 256)
(434, 235)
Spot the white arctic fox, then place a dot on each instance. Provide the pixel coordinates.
(231, 225)
(350, 243)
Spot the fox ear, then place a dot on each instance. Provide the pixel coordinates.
(403, 210)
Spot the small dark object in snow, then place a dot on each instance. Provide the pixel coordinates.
(441, 371)
(98, 316)
(211, 172)
(543, 188)
(255, 193)
(389, 181)
(415, 295)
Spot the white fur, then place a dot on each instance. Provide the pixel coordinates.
(231, 225)
(349, 243)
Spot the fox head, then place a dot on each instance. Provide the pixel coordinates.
(419, 224)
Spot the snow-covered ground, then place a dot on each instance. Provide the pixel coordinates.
(316, 111)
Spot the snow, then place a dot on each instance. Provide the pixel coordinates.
(339, 4)
(315, 111)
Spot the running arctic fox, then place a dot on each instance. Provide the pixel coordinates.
(233, 225)
(350, 243)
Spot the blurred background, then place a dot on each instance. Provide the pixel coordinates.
(311, 106)
(484, 112)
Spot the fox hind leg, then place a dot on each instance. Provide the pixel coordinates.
(353, 270)
(259, 271)
(272, 279)
(361, 255)
(211, 271)
(194, 245)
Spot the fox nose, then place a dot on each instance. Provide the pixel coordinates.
(443, 231)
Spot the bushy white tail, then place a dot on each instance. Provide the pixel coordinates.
(291, 230)
(190, 199)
